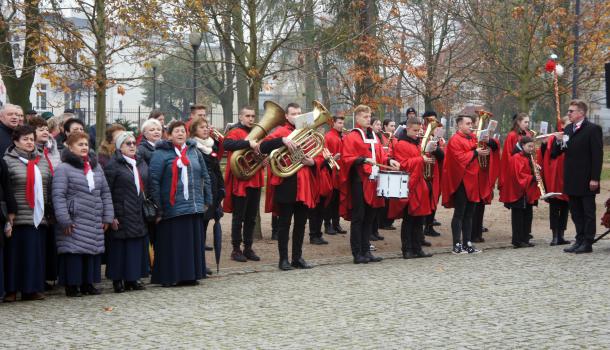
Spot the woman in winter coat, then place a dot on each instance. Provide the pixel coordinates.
(24, 254)
(47, 146)
(7, 205)
(209, 149)
(83, 210)
(127, 241)
(180, 186)
(152, 131)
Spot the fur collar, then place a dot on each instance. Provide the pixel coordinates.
(68, 157)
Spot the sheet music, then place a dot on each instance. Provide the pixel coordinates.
(304, 120)
(544, 127)
(491, 127)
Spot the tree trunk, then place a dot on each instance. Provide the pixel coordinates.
(322, 76)
(100, 71)
(310, 70)
(227, 94)
(241, 75)
(364, 87)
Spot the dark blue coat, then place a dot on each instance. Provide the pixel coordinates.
(160, 173)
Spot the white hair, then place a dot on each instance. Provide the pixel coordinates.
(150, 122)
(7, 106)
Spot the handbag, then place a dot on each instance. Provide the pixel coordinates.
(149, 209)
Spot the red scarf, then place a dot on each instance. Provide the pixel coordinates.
(46, 156)
(30, 194)
(87, 167)
(185, 161)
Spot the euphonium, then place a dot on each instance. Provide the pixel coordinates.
(483, 117)
(429, 136)
(246, 162)
(309, 144)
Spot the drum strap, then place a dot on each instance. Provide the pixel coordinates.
(372, 142)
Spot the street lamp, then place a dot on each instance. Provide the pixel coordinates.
(161, 79)
(195, 40)
(154, 64)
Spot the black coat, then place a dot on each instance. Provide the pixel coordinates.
(145, 150)
(5, 138)
(8, 204)
(218, 185)
(583, 161)
(125, 199)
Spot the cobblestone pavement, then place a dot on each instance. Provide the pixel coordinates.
(503, 298)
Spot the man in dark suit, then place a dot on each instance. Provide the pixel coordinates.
(582, 170)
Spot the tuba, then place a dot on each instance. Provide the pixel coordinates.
(432, 124)
(483, 117)
(246, 162)
(309, 144)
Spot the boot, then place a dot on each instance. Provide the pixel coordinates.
(250, 254)
(554, 240)
(430, 231)
(560, 240)
(585, 247)
(329, 229)
(573, 247)
(237, 255)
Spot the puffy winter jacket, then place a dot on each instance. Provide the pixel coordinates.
(74, 204)
(199, 186)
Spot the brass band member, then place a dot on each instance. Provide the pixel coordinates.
(430, 220)
(293, 196)
(460, 183)
(521, 192)
(375, 236)
(521, 124)
(242, 196)
(359, 201)
(389, 142)
(333, 140)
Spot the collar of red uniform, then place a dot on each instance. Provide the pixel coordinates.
(468, 137)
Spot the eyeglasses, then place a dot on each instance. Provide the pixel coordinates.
(130, 143)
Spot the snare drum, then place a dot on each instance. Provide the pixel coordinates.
(393, 184)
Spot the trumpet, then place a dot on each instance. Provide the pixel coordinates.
(331, 161)
(216, 135)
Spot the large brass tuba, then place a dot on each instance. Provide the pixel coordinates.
(309, 143)
(484, 116)
(246, 162)
(432, 124)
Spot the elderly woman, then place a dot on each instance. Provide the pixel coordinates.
(29, 177)
(152, 131)
(83, 210)
(177, 174)
(127, 242)
(47, 146)
(210, 149)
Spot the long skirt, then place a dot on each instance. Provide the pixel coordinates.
(180, 250)
(50, 264)
(24, 254)
(79, 269)
(127, 259)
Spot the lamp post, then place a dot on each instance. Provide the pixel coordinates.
(195, 40)
(161, 80)
(154, 64)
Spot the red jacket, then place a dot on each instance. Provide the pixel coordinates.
(354, 147)
(552, 170)
(507, 151)
(520, 181)
(490, 174)
(307, 186)
(334, 143)
(421, 201)
(233, 185)
(461, 165)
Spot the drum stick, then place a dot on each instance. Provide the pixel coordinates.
(383, 166)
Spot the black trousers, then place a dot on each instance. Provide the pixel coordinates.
(558, 214)
(383, 215)
(331, 212)
(244, 217)
(410, 232)
(316, 216)
(429, 219)
(287, 211)
(582, 209)
(461, 223)
(521, 222)
(477, 220)
(363, 218)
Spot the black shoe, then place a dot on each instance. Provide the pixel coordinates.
(573, 247)
(340, 229)
(237, 255)
(118, 286)
(251, 255)
(284, 265)
(372, 258)
(134, 285)
(430, 231)
(188, 283)
(208, 271)
(208, 248)
(409, 255)
(435, 223)
(584, 248)
(422, 254)
(388, 227)
(560, 240)
(274, 236)
(529, 244)
(518, 245)
(330, 230)
(89, 289)
(373, 238)
(485, 229)
(426, 243)
(478, 240)
(73, 292)
(301, 264)
(317, 241)
(360, 259)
